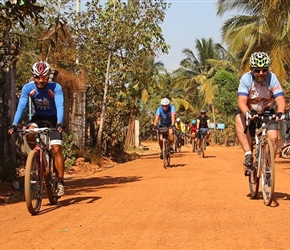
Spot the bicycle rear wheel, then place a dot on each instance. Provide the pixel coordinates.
(33, 183)
(51, 180)
(268, 171)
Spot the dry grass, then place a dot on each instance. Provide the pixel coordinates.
(69, 79)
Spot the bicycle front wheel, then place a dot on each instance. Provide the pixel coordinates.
(254, 181)
(203, 147)
(33, 183)
(51, 180)
(268, 171)
(193, 145)
(286, 152)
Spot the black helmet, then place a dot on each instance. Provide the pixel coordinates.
(203, 111)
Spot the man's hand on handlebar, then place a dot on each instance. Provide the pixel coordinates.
(12, 129)
(280, 116)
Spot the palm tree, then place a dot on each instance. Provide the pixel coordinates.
(263, 26)
(195, 71)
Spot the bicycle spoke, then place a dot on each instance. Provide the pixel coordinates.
(33, 183)
(268, 172)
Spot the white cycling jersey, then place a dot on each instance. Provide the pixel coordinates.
(261, 96)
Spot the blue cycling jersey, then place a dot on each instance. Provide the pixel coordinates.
(165, 117)
(46, 102)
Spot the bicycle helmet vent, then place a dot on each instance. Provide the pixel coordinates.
(260, 60)
(40, 68)
(165, 102)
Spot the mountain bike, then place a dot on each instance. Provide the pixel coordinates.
(264, 163)
(39, 169)
(164, 131)
(203, 133)
(178, 142)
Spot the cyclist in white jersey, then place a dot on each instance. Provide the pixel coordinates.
(258, 91)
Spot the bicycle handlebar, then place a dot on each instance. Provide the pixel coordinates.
(249, 117)
(44, 130)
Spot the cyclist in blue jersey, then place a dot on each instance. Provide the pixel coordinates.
(258, 91)
(48, 101)
(165, 115)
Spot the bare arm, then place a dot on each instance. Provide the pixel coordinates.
(242, 104)
(281, 104)
(156, 119)
(173, 119)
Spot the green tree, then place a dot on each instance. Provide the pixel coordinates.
(115, 42)
(195, 72)
(18, 12)
(263, 26)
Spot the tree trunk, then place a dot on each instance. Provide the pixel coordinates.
(103, 112)
(129, 141)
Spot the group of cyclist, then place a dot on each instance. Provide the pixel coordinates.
(258, 91)
(165, 116)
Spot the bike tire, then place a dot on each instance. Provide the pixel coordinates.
(267, 172)
(168, 155)
(285, 153)
(179, 147)
(193, 146)
(33, 182)
(203, 147)
(51, 180)
(254, 182)
(164, 153)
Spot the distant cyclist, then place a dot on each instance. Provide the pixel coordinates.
(193, 129)
(179, 130)
(202, 122)
(165, 117)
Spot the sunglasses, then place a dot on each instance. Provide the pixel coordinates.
(259, 70)
(44, 78)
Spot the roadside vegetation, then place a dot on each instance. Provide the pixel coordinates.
(114, 46)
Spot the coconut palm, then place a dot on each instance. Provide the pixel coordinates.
(263, 26)
(195, 71)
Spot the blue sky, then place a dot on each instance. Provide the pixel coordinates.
(187, 21)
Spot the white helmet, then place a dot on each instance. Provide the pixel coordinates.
(165, 102)
(40, 68)
(178, 120)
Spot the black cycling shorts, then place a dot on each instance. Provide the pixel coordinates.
(50, 122)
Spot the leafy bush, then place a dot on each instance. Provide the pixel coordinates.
(67, 150)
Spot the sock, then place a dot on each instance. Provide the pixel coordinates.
(248, 153)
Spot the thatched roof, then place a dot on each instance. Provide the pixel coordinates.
(69, 79)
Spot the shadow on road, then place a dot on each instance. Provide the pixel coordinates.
(277, 196)
(91, 184)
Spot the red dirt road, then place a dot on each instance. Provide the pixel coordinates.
(196, 204)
